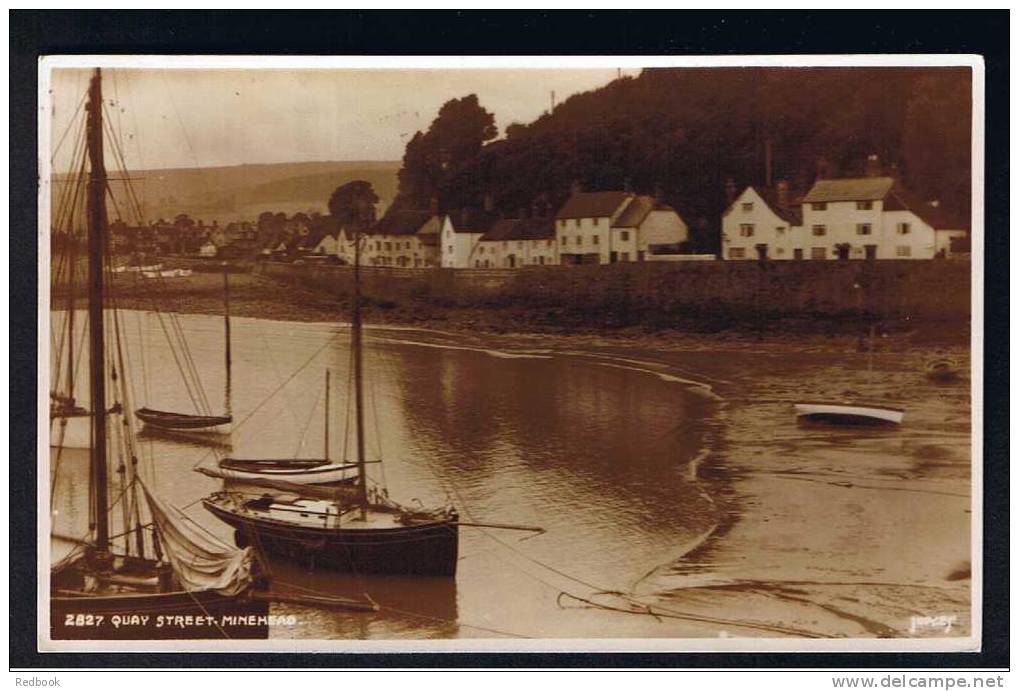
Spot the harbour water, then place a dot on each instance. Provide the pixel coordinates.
(678, 496)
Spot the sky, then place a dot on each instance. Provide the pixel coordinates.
(173, 118)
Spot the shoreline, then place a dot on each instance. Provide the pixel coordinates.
(259, 297)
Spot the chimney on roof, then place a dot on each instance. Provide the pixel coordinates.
(782, 192)
(730, 190)
(873, 168)
(489, 202)
(576, 187)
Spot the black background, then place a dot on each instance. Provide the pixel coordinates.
(36, 33)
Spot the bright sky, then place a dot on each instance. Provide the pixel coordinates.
(212, 117)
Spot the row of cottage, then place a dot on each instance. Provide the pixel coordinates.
(590, 228)
(847, 218)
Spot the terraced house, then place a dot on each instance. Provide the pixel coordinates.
(615, 226)
(404, 239)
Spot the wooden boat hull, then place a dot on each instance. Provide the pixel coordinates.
(302, 473)
(158, 616)
(848, 414)
(428, 549)
(183, 422)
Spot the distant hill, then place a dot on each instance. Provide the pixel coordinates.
(231, 193)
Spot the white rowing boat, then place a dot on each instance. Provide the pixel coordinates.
(849, 414)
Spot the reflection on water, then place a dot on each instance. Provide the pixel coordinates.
(723, 514)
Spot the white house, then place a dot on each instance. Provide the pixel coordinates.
(762, 222)
(843, 218)
(460, 235)
(208, 249)
(515, 242)
(404, 238)
(328, 245)
(606, 227)
(875, 218)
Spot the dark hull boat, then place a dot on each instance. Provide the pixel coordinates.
(182, 422)
(128, 605)
(387, 540)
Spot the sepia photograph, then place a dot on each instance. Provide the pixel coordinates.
(510, 354)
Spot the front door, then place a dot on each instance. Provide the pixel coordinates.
(797, 253)
(613, 257)
(762, 251)
(871, 251)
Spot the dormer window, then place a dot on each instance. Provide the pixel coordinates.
(864, 205)
(576, 222)
(819, 206)
(748, 207)
(596, 221)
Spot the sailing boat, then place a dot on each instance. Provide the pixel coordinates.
(162, 579)
(304, 471)
(347, 529)
(167, 421)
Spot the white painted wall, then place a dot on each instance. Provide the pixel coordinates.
(769, 228)
(456, 248)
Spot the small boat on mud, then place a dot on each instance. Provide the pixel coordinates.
(848, 414)
(942, 369)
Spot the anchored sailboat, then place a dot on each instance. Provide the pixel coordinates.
(188, 422)
(304, 471)
(348, 529)
(130, 578)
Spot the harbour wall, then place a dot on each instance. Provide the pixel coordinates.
(714, 295)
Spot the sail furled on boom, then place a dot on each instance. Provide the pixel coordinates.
(200, 561)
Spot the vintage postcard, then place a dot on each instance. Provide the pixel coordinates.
(510, 354)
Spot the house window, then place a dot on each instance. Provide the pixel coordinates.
(748, 207)
(737, 253)
(481, 250)
(819, 230)
(903, 251)
(902, 228)
(548, 243)
(451, 249)
(625, 236)
(819, 206)
(594, 239)
(864, 206)
(779, 251)
(580, 239)
(780, 229)
(863, 229)
(576, 222)
(596, 221)
(746, 230)
(818, 253)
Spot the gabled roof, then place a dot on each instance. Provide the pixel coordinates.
(535, 228)
(901, 199)
(635, 212)
(404, 222)
(592, 204)
(790, 212)
(849, 190)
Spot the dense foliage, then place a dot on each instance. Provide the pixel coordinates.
(681, 133)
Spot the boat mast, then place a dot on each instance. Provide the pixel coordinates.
(226, 325)
(96, 212)
(355, 337)
(325, 443)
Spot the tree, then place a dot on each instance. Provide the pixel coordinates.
(353, 202)
(453, 141)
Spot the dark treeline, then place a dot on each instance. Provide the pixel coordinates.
(681, 133)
